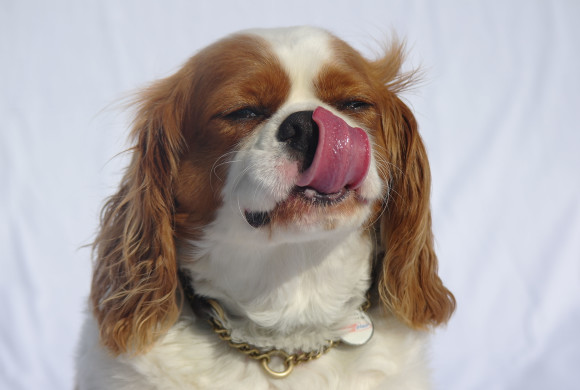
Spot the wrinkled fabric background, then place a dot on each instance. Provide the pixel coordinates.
(499, 110)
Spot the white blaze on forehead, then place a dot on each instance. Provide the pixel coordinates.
(302, 52)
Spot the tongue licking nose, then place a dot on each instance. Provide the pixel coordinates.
(342, 157)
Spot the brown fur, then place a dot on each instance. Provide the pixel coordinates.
(408, 282)
(134, 281)
(172, 186)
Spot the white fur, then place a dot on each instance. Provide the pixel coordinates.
(190, 356)
(292, 288)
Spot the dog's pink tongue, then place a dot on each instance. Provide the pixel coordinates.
(342, 156)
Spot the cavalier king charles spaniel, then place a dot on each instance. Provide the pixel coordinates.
(272, 230)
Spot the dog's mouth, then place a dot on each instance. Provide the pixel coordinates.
(308, 195)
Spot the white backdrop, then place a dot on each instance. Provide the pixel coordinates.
(499, 111)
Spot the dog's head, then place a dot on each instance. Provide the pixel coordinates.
(269, 137)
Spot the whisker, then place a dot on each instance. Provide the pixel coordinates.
(217, 164)
(242, 214)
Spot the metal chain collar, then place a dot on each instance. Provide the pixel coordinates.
(265, 357)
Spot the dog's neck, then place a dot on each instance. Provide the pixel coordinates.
(293, 297)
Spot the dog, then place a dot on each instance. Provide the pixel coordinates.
(272, 229)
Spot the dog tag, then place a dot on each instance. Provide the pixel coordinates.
(360, 330)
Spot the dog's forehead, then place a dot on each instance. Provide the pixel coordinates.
(302, 52)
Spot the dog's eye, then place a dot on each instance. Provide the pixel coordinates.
(354, 105)
(246, 113)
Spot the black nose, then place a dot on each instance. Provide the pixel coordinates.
(300, 133)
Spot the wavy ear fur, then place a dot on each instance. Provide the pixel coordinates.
(135, 271)
(406, 270)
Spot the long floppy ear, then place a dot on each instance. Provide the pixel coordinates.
(406, 272)
(135, 271)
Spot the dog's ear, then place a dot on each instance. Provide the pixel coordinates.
(135, 271)
(406, 270)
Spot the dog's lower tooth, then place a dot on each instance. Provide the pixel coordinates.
(309, 193)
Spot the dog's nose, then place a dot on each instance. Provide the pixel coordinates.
(300, 133)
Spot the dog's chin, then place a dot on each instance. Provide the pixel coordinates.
(305, 207)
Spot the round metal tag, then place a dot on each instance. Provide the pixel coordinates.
(359, 331)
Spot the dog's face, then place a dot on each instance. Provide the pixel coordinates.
(287, 133)
(268, 137)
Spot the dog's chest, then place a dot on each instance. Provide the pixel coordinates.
(192, 356)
